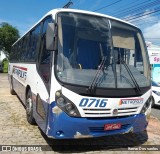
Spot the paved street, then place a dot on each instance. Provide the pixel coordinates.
(14, 130)
(156, 111)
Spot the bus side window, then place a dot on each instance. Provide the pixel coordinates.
(11, 57)
(25, 48)
(33, 45)
(19, 51)
(45, 57)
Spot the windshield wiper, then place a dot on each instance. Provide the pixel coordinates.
(138, 90)
(94, 82)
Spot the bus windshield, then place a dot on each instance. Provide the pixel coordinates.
(84, 41)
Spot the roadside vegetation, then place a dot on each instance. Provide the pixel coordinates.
(5, 65)
(8, 35)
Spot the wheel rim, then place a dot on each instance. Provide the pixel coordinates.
(29, 107)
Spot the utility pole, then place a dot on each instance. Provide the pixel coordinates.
(68, 4)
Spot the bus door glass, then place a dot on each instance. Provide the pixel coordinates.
(43, 84)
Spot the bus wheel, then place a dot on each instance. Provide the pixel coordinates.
(152, 102)
(11, 87)
(29, 108)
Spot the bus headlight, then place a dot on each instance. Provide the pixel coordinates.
(146, 105)
(61, 101)
(69, 107)
(66, 105)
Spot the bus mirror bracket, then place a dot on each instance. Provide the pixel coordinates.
(51, 37)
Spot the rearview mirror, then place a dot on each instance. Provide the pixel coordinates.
(51, 43)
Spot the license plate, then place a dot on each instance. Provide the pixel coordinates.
(112, 126)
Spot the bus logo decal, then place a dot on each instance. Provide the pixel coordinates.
(115, 111)
(20, 72)
(131, 101)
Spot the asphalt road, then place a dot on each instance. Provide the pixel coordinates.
(156, 111)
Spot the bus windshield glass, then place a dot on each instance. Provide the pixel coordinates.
(98, 51)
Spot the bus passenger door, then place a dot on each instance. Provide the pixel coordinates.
(43, 81)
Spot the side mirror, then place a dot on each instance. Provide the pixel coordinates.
(51, 43)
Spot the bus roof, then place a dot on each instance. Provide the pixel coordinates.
(55, 11)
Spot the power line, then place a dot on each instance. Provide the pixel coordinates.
(140, 14)
(107, 6)
(137, 15)
(143, 15)
(133, 15)
(124, 8)
(143, 18)
(134, 8)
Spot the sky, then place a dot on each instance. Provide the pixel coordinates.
(23, 14)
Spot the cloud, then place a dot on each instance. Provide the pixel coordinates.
(153, 31)
(146, 19)
(150, 26)
(139, 18)
(149, 23)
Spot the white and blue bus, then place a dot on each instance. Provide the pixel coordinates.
(82, 74)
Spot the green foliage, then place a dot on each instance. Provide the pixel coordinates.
(8, 35)
(5, 65)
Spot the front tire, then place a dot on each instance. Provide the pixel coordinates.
(152, 102)
(29, 108)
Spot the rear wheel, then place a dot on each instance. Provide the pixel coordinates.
(29, 108)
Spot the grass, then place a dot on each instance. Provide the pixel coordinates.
(5, 66)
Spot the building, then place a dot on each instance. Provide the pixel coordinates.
(154, 56)
(2, 56)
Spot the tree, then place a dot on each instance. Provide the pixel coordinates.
(8, 35)
(5, 65)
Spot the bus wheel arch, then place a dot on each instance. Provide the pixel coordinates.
(29, 106)
(27, 90)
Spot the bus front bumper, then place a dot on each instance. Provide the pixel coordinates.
(62, 126)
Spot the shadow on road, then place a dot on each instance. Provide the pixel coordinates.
(156, 107)
(116, 142)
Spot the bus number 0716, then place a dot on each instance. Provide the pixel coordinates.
(85, 102)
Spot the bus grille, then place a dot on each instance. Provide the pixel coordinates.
(108, 112)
